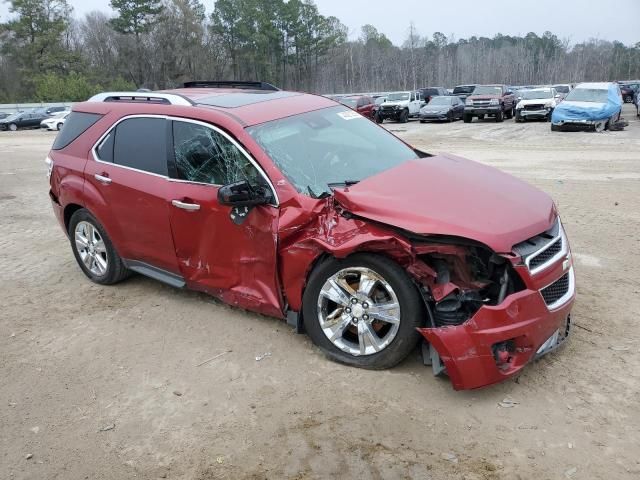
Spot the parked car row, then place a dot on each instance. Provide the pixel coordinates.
(595, 106)
(51, 118)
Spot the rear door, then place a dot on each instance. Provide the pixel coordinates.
(129, 177)
(227, 252)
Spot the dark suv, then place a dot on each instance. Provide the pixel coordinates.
(297, 207)
(490, 100)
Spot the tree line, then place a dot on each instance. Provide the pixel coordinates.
(47, 54)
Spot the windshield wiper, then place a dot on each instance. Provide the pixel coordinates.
(344, 183)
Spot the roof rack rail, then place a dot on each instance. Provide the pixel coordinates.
(142, 97)
(231, 84)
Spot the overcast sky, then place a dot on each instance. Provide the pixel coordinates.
(577, 20)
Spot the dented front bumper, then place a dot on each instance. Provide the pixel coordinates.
(468, 351)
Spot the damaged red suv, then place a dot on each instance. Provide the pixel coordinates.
(294, 206)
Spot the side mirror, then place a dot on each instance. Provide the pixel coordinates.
(242, 194)
(558, 96)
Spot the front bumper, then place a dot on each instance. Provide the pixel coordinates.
(488, 110)
(467, 351)
(389, 113)
(434, 116)
(533, 113)
(577, 124)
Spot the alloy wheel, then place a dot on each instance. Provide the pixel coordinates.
(358, 311)
(91, 248)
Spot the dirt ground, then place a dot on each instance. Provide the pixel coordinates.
(109, 382)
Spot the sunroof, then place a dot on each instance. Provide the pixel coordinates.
(240, 99)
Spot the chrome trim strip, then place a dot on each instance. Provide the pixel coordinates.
(94, 152)
(571, 289)
(564, 250)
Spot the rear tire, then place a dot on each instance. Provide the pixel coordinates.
(344, 280)
(94, 251)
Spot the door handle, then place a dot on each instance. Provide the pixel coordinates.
(192, 207)
(102, 179)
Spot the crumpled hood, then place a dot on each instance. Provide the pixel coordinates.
(538, 101)
(449, 195)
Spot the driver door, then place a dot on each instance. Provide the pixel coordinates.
(224, 251)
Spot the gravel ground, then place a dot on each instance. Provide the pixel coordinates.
(109, 382)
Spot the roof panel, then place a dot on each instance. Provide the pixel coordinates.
(241, 99)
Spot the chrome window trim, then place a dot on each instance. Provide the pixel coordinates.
(567, 296)
(94, 151)
(564, 250)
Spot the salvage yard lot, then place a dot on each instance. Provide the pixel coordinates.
(144, 380)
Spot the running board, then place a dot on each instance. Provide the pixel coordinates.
(155, 273)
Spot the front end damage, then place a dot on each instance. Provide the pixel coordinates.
(488, 314)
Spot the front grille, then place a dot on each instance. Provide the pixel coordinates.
(388, 109)
(535, 106)
(480, 103)
(546, 255)
(556, 290)
(542, 250)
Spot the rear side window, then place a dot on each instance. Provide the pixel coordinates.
(105, 149)
(140, 143)
(74, 126)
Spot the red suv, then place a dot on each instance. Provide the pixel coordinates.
(295, 206)
(362, 104)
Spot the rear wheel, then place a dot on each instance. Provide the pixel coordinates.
(94, 251)
(363, 311)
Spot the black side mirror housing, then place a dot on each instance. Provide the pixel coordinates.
(242, 194)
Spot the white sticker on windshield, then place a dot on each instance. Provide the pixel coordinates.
(350, 115)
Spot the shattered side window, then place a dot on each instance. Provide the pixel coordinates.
(205, 156)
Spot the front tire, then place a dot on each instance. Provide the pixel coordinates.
(59, 126)
(500, 116)
(13, 127)
(467, 118)
(363, 311)
(94, 251)
(404, 116)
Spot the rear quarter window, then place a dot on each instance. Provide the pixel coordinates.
(74, 126)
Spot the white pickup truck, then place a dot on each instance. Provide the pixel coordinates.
(400, 106)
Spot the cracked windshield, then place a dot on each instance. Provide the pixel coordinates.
(333, 146)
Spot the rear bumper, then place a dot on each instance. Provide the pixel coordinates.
(57, 210)
(467, 350)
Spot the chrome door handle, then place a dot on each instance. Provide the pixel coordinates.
(192, 207)
(102, 179)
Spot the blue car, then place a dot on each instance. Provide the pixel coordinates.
(589, 106)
